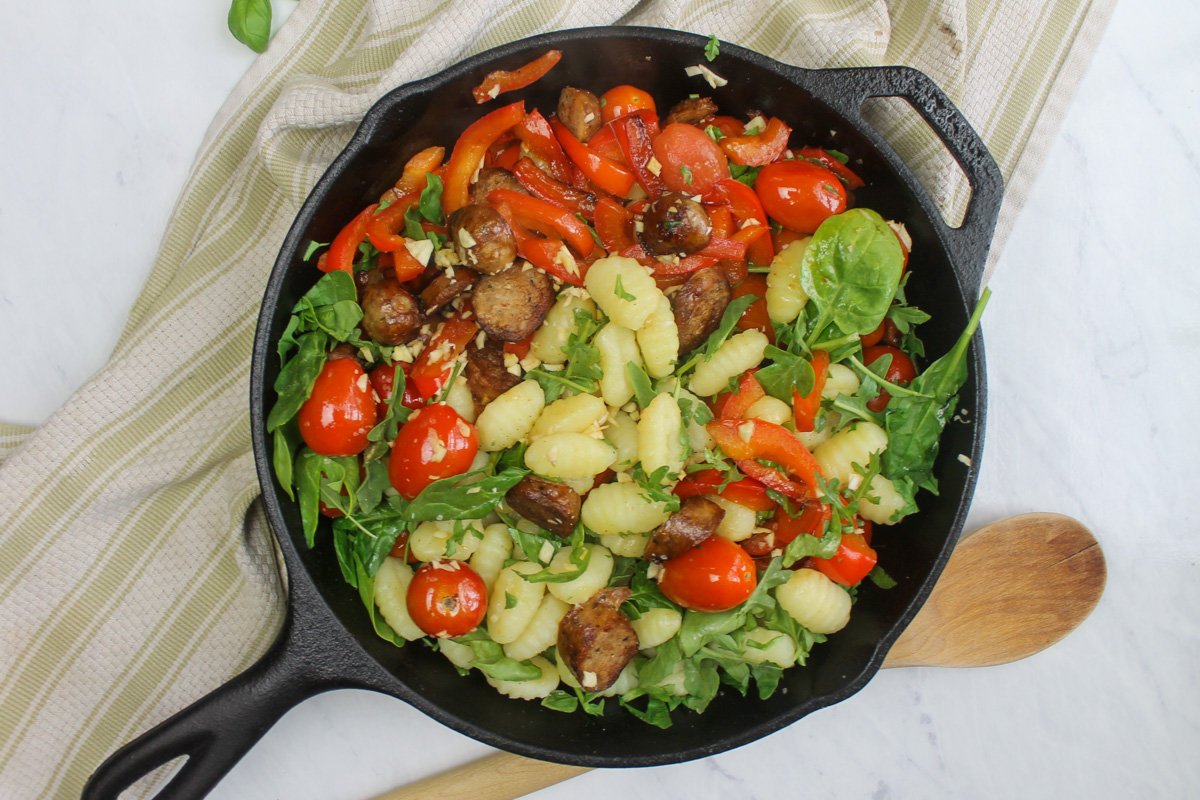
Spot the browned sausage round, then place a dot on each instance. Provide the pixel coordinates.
(510, 305)
(486, 375)
(690, 111)
(696, 520)
(494, 178)
(549, 504)
(698, 306)
(579, 111)
(482, 238)
(596, 639)
(675, 224)
(444, 288)
(391, 315)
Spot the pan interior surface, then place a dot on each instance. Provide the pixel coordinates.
(434, 112)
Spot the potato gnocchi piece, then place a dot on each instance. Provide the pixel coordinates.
(658, 435)
(849, 446)
(815, 601)
(632, 301)
(840, 380)
(622, 435)
(541, 632)
(550, 338)
(658, 340)
(461, 400)
(509, 418)
(460, 655)
(514, 601)
(430, 540)
(632, 545)
(762, 645)
(785, 296)
(882, 502)
(770, 409)
(579, 413)
(656, 626)
(618, 346)
(491, 553)
(391, 595)
(534, 689)
(569, 456)
(740, 352)
(594, 578)
(616, 508)
(739, 522)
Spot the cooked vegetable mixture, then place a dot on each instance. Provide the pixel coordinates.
(608, 403)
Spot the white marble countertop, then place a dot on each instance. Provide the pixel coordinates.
(1093, 337)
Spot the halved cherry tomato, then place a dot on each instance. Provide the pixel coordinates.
(871, 339)
(447, 598)
(756, 149)
(340, 411)
(691, 162)
(901, 371)
(383, 379)
(621, 100)
(810, 521)
(433, 367)
(502, 81)
(746, 492)
(853, 560)
(799, 194)
(715, 575)
(755, 317)
(435, 443)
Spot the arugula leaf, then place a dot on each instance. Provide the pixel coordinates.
(914, 424)
(619, 291)
(785, 373)
(733, 313)
(447, 499)
(560, 700)
(250, 23)
(699, 627)
(314, 247)
(712, 49)
(714, 133)
(881, 578)
(491, 661)
(686, 172)
(659, 705)
(583, 372)
(643, 389)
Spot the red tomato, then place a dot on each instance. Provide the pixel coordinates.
(691, 162)
(383, 378)
(715, 575)
(901, 372)
(799, 194)
(340, 412)
(447, 599)
(756, 315)
(435, 443)
(854, 559)
(621, 100)
(871, 339)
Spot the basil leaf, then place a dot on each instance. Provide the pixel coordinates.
(850, 271)
(250, 23)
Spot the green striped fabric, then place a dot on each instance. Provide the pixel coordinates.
(145, 478)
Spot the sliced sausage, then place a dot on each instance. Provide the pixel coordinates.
(482, 239)
(579, 111)
(698, 306)
(494, 178)
(597, 640)
(510, 305)
(696, 520)
(486, 375)
(391, 315)
(675, 224)
(690, 111)
(444, 288)
(549, 504)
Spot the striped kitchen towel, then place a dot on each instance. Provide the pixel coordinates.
(136, 568)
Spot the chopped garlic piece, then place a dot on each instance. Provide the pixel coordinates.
(714, 80)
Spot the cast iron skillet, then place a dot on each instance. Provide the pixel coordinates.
(327, 641)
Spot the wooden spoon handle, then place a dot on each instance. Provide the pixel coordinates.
(1011, 589)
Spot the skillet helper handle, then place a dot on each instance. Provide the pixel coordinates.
(215, 731)
(970, 241)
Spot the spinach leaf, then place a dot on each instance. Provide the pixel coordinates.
(914, 424)
(491, 661)
(851, 270)
(700, 627)
(430, 204)
(250, 23)
(366, 592)
(294, 383)
(286, 439)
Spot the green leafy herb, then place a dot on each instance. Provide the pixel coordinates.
(620, 291)
(430, 203)
(250, 23)
(643, 389)
(458, 498)
(881, 578)
(686, 173)
(312, 248)
(591, 228)
(785, 373)
(655, 485)
(712, 49)
(491, 661)
(583, 370)
(747, 175)
(714, 133)
(842, 157)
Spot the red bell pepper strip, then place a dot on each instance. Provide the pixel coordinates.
(507, 156)
(635, 140)
(746, 492)
(535, 133)
(810, 521)
(844, 173)
(383, 227)
(501, 81)
(414, 179)
(755, 150)
(546, 255)
(692, 263)
(434, 365)
(748, 210)
(735, 404)
(744, 440)
(721, 248)
(722, 221)
(853, 560)
(774, 479)
(614, 224)
(604, 142)
(470, 148)
(728, 126)
(805, 407)
(750, 234)
(553, 191)
(604, 172)
(519, 349)
(567, 224)
(345, 245)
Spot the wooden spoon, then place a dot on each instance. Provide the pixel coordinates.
(1011, 589)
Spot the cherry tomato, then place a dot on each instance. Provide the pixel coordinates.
(901, 372)
(382, 379)
(621, 100)
(691, 162)
(340, 412)
(799, 194)
(871, 339)
(715, 575)
(447, 599)
(435, 443)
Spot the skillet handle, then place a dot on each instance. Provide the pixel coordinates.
(970, 242)
(216, 730)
